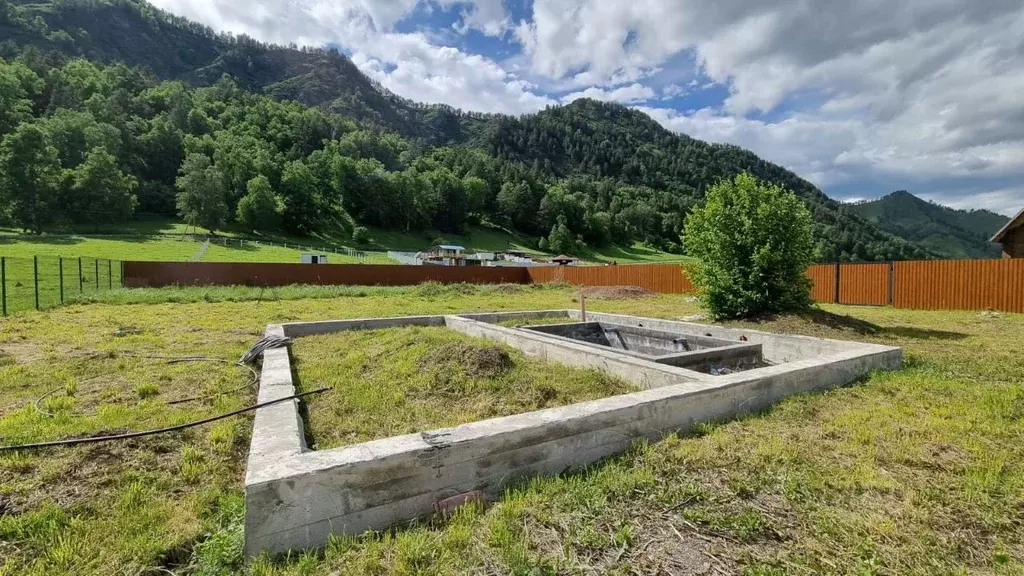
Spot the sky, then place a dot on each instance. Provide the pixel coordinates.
(861, 98)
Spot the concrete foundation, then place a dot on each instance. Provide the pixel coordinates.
(295, 497)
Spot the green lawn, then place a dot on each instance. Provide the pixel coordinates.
(121, 248)
(482, 238)
(490, 239)
(477, 239)
(401, 381)
(919, 471)
(635, 254)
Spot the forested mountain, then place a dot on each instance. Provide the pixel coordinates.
(139, 34)
(108, 108)
(946, 231)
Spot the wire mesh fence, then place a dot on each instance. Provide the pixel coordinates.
(43, 282)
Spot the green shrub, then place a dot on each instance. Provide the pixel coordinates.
(753, 244)
(360, 236)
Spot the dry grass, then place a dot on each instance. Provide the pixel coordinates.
(915, 472)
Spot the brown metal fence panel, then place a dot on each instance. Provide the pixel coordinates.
(960, 285)
(932, 284)
(661, 278)
(155, 274)
(823, 278)
(864, 284)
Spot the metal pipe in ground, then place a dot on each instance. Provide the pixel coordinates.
(3, 284)
(583, 305)
(35, 278)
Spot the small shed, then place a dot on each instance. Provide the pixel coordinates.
(563, 260)
(447, 251)
(313, 259)
(1011, 237)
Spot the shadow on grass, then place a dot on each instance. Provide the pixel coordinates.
(55, 240)
(245, 247)
(307, 431)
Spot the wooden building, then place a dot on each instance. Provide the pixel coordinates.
(1011, 237)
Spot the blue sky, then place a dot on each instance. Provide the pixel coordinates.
(861, 98)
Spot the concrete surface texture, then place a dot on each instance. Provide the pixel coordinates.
(295, 498)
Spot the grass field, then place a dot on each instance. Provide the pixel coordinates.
(401, 381)
(254, 252)
(919, 471)
(126, 248)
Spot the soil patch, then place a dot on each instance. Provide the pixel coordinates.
(20, 353)
(617, 292)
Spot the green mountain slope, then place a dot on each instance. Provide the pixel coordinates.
(613, 174)
(946, 231)
(138, 34)
(607, 140)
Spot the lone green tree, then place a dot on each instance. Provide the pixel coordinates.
(752, 243)
(201, 193)
(29, 177)
(259, 209)
(561, 238)
(100, 192)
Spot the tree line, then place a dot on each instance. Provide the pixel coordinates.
(83, 143)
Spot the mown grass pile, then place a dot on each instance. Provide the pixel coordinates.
(919, 471)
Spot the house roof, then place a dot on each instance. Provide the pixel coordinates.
(1014, 222)
(451, 247)
(562, 258)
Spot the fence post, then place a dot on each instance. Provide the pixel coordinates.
(60, 267)
(97, 263)
(122, 273)
(892, 282)
(835, 298)
(35, 278)
(110, 276)
(3, 284)
(81, 287)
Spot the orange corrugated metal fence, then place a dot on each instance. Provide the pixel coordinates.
(661, 278)
(960, 285)
(927, 284)
(864, 284)
(823, 278)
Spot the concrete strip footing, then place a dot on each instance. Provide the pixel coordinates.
(295, 498)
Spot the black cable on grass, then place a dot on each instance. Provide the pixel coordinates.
(129, 435)
(169, 360)
(262, 346)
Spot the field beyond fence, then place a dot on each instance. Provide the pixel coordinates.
(48, 281)
(928, 284)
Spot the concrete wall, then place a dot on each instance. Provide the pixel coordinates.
(295, 498)
(777, 348)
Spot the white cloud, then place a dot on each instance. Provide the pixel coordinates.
(919, 90)
(670, 91)
(1005, 201)
(487, 16)
(635, 92)
(408, 64)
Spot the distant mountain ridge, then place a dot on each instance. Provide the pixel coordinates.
(946, 231)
